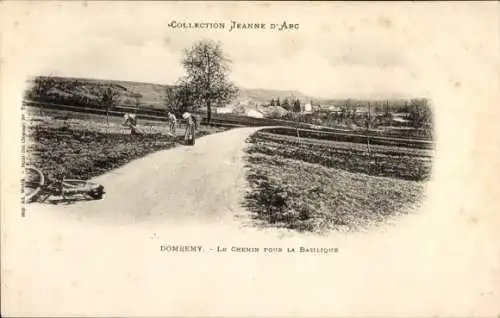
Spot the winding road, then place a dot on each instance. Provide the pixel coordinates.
(103, 257)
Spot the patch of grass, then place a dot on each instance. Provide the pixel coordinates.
(299, 188)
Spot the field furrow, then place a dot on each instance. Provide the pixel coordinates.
(331, 186)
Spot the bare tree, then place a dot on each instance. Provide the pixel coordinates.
(108, 99)
(207, 75)
(170, 98)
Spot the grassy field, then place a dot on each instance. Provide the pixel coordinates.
(82, 146)
(327, 186)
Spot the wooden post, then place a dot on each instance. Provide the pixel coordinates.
(298, 124)
(368, 127)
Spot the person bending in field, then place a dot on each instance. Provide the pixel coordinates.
(130, 120)
(172, 124)
(190, 128)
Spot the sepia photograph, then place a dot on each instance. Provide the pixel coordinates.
(324, 163)
(249, 159)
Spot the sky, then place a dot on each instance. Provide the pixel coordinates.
(340, 50)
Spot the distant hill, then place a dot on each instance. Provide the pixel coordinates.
(153, 95)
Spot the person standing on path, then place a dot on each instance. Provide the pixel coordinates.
(172, 124)
(190, 128)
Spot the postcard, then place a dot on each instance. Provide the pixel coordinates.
(248, 159)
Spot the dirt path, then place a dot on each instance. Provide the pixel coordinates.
(103, 257)
(199, 183)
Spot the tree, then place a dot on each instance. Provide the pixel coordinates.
(296, 106)
(420, 113)
(40, 88)
(179, 98)
(272, 102)
(207, 79)
(286, 104)
(278, 102)
(108, 98)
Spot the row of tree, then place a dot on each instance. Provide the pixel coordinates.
(417, 111)
(290, 104)
(418, 115)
